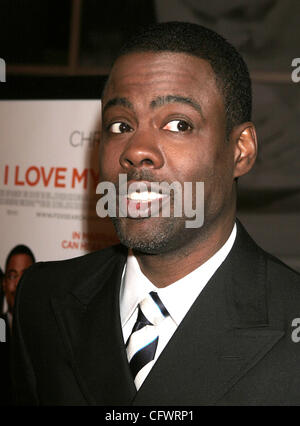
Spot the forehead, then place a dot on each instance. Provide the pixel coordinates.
(148, 74)
(19, 261)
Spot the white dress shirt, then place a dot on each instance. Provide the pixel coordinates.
(177, 297)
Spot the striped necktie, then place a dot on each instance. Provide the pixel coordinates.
(142, 343)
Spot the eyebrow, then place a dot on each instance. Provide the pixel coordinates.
(155, 103)
(163, 100)
(118, 102)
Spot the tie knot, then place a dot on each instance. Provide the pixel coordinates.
(153, 308)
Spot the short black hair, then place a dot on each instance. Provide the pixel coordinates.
(19, 249)
(231, 72)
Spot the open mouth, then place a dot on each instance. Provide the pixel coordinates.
(144, 204)
(144, 199)
(145, 196)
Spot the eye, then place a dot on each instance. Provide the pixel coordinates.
(177, 126)
(120, 128)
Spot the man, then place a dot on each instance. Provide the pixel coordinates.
(17, 261)
(187, 316)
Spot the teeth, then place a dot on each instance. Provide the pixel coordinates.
(144, 196)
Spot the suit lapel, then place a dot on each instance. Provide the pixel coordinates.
(90, 323)
(225, 333)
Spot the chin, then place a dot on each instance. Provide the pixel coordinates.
(163, 237)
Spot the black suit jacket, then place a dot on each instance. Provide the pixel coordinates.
(233, 347)
(5, 379)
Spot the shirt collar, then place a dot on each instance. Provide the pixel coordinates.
(134, 288)
(177, 297)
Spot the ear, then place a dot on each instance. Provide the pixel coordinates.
(245, 148)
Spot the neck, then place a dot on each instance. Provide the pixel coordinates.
(166, 268)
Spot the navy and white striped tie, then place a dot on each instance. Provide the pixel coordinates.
(142, 343)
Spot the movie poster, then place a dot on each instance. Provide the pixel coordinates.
(48, 178)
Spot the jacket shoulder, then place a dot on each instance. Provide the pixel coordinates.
(283, 290)
(278, 271)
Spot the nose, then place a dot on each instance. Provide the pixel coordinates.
(142, 150)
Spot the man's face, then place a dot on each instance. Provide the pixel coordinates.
(164, 120)
(15, 268)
